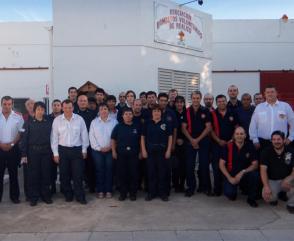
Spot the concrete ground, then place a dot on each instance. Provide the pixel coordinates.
(197, 218)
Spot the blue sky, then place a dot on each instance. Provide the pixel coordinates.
(41, 10)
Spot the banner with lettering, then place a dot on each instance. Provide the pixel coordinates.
(177, 26)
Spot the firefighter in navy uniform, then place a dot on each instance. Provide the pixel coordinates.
(156, 144)
(36, 152)
(125, 149)
(196, 127)
(139, 118)
(224, 122)
(169, 117)
(88, 115)
(239, 166)
(179, 164)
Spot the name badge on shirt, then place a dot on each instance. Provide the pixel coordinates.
(163, 127)
(282, 115)
(288, 158)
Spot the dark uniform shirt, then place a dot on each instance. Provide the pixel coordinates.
(225, 124)
(244, 117)
(127, 137)
(36, 134)
(156, 134)
(198, 119)
(88, 115)
(180, 119)
(241, 158)
(232, 107)
(279, 166)
(169, 116)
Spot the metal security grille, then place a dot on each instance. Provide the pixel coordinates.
(183, 82)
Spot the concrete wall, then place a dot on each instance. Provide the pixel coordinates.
(250, 45)
(24, 46)
(111, 43)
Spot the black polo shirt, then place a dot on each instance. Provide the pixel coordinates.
(180, 118)
(226, 124)
(244, 117)
(127, 137)
(88, 115)
(278, 166)
(169, 116)
(156, 134)
(199, 119)
(234, 107)
(36, 133)
(241, 158)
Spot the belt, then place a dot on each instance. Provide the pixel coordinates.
(40, 147)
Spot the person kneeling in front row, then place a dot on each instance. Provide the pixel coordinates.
(239, 166)
(277, 171)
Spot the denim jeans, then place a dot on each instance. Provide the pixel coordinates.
(103, 167)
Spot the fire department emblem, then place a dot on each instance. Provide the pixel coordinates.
(288, 158)
(163, 127)
(135, 131)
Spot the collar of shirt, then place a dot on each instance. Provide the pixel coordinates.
(72, 117)
(107, 120)
(276, 103)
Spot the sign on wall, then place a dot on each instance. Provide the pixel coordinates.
(177, 26)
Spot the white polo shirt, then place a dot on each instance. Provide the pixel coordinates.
(268, 118)
(10, 127)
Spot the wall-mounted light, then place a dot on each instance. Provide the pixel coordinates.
(200, 2)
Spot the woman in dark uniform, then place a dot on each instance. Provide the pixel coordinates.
(125, 139)
(36, 152)
(156, 144)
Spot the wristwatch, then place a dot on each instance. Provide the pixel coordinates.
(244, 171)
(12, 144)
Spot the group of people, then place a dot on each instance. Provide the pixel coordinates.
(151, 143)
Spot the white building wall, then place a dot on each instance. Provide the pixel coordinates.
(250, 45)
(24, 47)
(111, 43)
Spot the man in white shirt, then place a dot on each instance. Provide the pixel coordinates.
(11, 124)
(269, 116)
(69, 143)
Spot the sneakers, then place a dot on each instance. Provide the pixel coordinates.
(108, 195)
(100, 195)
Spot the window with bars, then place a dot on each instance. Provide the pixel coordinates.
(183, 82)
